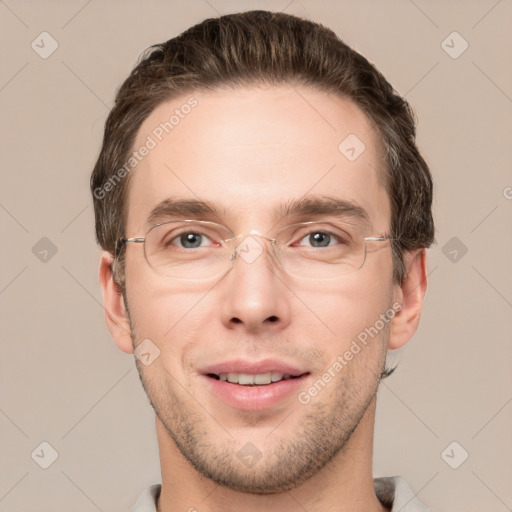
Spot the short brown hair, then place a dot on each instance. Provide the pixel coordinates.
(265, 48)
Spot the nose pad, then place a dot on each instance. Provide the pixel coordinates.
(362, 259)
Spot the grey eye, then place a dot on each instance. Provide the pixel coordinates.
(191, 240)
(319, 239)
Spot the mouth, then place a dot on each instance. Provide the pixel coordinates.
(255, 386)
(259, 379)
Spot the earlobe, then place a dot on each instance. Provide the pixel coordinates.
(117, 319)
(410, 294)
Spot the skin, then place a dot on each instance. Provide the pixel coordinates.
(248, 150)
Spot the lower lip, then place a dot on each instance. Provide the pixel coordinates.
(255, 398)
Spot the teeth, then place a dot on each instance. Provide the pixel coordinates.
(264, 378)
(246, 379)
(276, 376)
(233, 377)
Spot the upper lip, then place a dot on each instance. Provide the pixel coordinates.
(253, 367)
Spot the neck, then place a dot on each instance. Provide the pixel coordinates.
(345, 484)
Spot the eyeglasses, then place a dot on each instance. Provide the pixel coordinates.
(197, 249)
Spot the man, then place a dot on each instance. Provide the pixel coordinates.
(264, 214)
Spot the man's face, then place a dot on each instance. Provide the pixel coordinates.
(248, 152)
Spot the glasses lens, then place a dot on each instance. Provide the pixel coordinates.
(321, 249)
(188, 249)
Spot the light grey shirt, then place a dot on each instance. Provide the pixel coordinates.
(392, 492)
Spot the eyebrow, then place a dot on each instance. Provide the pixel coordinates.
(181, 207)
(310, 207)
(315, 206)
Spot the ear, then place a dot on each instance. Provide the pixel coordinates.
(116, 316)
(410, 294)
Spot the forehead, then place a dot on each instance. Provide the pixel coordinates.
(249, 150)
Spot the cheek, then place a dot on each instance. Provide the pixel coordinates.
(356, 303)
(166, 313)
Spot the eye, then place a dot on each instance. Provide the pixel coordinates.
(186, 237)
(189, 240)
(320, 239)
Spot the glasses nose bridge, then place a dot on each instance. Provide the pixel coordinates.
(249, 249)
(264, 237)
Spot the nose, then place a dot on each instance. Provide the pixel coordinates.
(255, 295)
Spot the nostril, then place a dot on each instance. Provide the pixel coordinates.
(271, 319)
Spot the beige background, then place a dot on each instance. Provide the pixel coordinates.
(63, 381)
